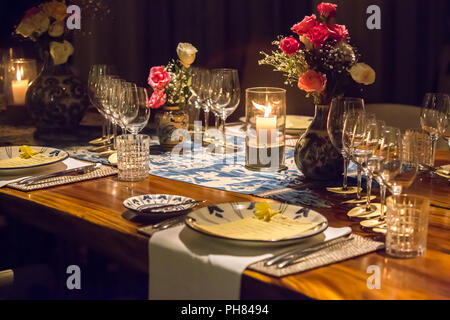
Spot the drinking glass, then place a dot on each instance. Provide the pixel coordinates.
(352, 135)
(407, 225)
(409, 165)
(133, 157)
(434, 111)
(335, 123)
(136, 114)
(202, 87)
(423, 146)
(225, 93)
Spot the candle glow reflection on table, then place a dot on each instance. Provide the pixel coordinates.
(265, 123)
(19, 88)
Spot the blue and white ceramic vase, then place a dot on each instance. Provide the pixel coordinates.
(56, 99)
(315, 156)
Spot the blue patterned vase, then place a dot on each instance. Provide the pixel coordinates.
(314, 155)
(168, 121)
(57, 99)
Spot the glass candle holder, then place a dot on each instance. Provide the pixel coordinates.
(407, 225)
(18, 76)
(265, 134)
(133, 157)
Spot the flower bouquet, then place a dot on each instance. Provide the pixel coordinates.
(321, 62)
(320, 59)
(171, 89)
(46, 25)
(56, 99)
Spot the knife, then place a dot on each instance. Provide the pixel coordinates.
(35, 179)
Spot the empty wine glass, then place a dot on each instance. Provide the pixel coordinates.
(335, 123)
(434, 111)
(225, 93)
(136, 114)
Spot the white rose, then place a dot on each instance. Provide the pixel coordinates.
(186, 52)
(60, 51)
(362, 73)
(41, 22)
(56, 29)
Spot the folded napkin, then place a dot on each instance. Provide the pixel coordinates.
(187, 265)
(67, 164)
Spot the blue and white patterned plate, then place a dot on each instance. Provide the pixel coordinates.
(228, 212)
(47, 156)
(147, 200)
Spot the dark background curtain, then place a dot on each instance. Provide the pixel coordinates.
(137, 34)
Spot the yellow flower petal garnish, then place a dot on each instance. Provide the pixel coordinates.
(263, 211)
(26, 152)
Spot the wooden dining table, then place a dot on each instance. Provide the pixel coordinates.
(91, 213)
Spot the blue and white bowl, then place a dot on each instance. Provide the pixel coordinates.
(149, 200)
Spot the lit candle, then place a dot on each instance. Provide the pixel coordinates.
(19, 89)
(266, 123)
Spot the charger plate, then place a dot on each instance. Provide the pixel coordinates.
(233, 211)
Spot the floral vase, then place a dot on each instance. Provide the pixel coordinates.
(56, 99)
(315, 156)
(171, 119)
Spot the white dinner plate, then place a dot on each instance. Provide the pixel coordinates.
(51, 156)
(229, 212)
(134, 203)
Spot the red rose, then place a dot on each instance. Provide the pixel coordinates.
(312, 81)
(290, 45)
(305, 25)
(327, 10)
(338, 32)
(158, 78)
(157, 99)
(318, 35)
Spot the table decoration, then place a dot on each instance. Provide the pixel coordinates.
(19, 74)
(265, 112)
(322, 63)
(171, 90)
(56, 99)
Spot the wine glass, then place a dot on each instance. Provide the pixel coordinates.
(434, 111)
(225, 93)
(136, 114)
(335, 123)
(444, 126)
(95, 72)
(202, 87)
(364, 155)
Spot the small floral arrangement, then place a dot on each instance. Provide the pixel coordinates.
(320, 59)
(46, 24)
(171, 83)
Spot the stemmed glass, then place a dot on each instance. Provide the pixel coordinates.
(338, 107)
(433, 116)
(225, 93)
(365, 135)
(135, 113)
(95, 73)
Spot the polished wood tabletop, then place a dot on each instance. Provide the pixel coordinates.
(91, 213)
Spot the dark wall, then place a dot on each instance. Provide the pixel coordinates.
(137, 34)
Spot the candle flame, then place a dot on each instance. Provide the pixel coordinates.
(19, 74)
(267, 109)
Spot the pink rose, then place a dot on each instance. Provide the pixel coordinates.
(338, 32)
(157, 99)
(318, 35)
(305, 25)
(158, 78)
(312, 81)
(327, 10)
(290, 45)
